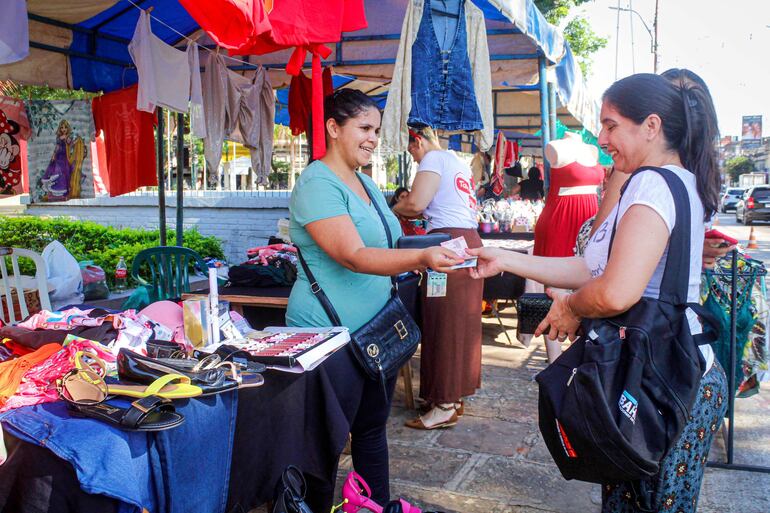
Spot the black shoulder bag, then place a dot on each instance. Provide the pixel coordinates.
(390, 338)
(614, 403)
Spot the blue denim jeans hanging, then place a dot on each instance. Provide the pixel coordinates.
(442, 84)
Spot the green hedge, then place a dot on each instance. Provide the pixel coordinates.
(87, 240)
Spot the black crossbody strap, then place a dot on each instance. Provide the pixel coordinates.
(318, 292)
(676, 275)
(382, 218)
(316, 289)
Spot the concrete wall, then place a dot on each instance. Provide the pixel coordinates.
(240, 220)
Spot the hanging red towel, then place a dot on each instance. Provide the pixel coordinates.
(496, 180)
(298, 23)
(129, 142)
(293, 23)
(229, 23)
(306, 26)
(301, 98)
(509, 159)
(516, 151)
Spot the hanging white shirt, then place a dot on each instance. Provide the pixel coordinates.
(197, 118)
(164, 72)
(14, 31)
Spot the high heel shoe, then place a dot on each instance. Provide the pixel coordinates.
(357, 495)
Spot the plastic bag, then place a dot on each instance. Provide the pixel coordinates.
(94, 281)
(63, 275)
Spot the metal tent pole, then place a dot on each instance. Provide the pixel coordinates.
(552, 109)
(161, 181)
(179, 179)
(543, 83)
(731, 372)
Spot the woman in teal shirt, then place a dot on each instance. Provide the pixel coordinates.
(344, 243)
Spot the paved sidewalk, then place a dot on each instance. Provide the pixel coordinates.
(495, 461)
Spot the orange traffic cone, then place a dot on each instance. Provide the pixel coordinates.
(752, 240)
(715, 221)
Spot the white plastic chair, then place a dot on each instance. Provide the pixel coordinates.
(13, 282)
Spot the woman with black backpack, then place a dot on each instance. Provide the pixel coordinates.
(647, 122)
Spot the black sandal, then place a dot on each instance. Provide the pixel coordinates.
(290, 497)
(151, 413)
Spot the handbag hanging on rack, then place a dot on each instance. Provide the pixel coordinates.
(390, 338)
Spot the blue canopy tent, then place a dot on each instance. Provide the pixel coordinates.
(82, 44)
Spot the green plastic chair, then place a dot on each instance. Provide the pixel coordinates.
(169, 269)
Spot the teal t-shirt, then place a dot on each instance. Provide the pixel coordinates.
(320, 194)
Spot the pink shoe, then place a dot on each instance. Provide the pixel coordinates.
(357, 496)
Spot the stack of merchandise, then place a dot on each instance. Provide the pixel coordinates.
(85, 357)
(274, 265)
(509, 215)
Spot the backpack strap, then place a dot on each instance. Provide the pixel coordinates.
(676, 274)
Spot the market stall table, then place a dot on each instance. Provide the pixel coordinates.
(507, 236)
(300, 419)
(264, 306)
(504, 286)
(238, 297)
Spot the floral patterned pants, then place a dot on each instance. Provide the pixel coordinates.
(677, 485)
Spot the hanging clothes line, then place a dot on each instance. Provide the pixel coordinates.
(189, 39)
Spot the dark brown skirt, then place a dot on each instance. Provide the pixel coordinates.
(450, 356)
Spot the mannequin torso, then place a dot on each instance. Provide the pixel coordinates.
(563, 152)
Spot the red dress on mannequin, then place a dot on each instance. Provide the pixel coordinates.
(570, 201)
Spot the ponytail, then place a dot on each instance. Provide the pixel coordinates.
(698, 148)
(682, 101)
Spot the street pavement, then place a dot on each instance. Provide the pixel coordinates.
(494, 459)
(726, 224)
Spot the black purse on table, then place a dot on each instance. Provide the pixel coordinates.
(390, 338)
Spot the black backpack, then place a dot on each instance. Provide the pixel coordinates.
(614, 403)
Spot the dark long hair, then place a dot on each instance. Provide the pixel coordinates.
(344, 104)
(684, 105)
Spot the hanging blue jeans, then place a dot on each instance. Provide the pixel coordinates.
(442, 84)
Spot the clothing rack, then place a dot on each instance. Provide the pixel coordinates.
(730, 464)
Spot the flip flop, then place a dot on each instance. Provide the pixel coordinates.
(150, 413)
(230, 353)
(170, 386)
(244, 378)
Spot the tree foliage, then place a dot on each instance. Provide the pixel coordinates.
(87, 240)
(578, 32)
(738, 166)
(32, 92)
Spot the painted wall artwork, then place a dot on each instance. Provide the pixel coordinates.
(60, 166)
(14, 129)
